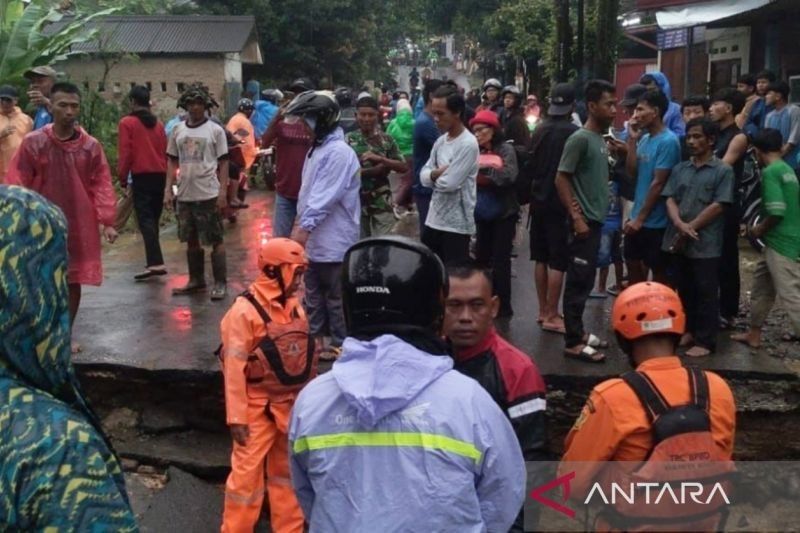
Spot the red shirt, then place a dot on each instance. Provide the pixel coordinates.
(142, 150)
(291, 144)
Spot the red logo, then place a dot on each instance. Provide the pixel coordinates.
(537, 494)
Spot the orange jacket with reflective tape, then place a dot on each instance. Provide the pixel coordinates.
(242, 328)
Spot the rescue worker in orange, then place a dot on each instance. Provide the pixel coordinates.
(648, 320)
(267, 358)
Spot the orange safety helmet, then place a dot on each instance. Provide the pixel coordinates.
(280, 251)
(647, 308)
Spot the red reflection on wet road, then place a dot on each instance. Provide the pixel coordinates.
(181, 318)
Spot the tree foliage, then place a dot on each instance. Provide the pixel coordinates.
(23, 44)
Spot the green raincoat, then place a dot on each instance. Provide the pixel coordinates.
(57, 470)
(401, 129)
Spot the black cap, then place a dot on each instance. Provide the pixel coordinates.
(392, 282)
(632, 94)
(8, 91)
(562, 98)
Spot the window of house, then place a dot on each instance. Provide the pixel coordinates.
(149, 86)
(101, 87)
(117, 87)
(133, 84)
(163, 86)
(181, 86)
(85, 85)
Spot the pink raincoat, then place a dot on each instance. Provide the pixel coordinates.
(76, 177)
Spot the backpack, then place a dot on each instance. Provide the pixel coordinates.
(283, 361)
(683, 451)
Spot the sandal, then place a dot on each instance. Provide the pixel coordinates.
(331, 353)
(149, 273)
(594, 341)
(553, 329)
(587, 355)
(697, 351)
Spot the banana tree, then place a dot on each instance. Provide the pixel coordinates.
(24, 43)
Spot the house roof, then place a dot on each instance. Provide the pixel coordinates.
(185, 34)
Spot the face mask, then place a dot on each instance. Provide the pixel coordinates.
(311, 122)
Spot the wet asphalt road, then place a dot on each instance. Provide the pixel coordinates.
(140, 324)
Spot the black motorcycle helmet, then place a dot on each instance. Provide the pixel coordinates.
(301, 85)
(392, 283)
(344, 97)
(318, 104)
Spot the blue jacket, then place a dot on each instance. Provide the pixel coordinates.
(394, 439)
(673, 119)
(329, 206)
(264, 113)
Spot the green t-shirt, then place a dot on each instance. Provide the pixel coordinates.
(780, 197)
(585, 156)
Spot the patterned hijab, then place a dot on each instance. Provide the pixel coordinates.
(34, 317)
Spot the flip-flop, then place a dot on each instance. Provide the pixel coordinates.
(331, 353)
(598, 295)
(587, 355)
(698, 355)
(149, 273)
(595, 342)
(551, 329)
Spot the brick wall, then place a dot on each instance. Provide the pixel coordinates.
(167, 70)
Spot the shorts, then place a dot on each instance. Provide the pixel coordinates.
(645, 245)
(610, 247)
(549, 237)
(200, 220)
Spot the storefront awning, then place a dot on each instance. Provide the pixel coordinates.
(705, 13)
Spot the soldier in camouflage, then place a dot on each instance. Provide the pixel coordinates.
(379, 155)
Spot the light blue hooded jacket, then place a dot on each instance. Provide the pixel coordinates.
(673, 119)
(262, 115)
(394, 439)
(329, 204)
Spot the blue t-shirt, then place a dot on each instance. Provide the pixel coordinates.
(661, 152)
(425, 134)
(787, 121)
(42, 118)
(614, 215)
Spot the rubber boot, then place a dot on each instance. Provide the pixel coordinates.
(197, 278)
(220, 268)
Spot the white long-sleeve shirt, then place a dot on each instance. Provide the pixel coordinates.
(454, 192)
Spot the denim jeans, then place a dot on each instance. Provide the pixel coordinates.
(283, 215)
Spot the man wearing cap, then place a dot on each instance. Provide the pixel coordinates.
(41, 82)
(549, 232)
(14, 125)
(379, 155)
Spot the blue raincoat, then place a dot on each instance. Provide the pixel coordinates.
(673, 119)
(394, 439)
(264, 113)
(57, 470)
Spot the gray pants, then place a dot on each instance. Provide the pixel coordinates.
(323, 301)
(776, 276)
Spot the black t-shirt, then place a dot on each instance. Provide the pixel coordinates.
(547, 144)
(720, 149)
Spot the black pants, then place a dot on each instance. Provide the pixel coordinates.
(579, 282)
(697, 282)
(729, 281)
(493, 251)
(450, 247)
(148, 202)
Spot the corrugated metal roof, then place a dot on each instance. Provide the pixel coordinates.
(198, 34)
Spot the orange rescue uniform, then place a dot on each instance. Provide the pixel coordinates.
(613, 425)
(239, 121)
(267, 417)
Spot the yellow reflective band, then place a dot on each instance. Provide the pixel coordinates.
(419, 440)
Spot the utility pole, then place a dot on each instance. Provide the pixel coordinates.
(563, 38)
(580, 62)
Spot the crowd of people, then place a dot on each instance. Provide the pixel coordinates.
(395, 435)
